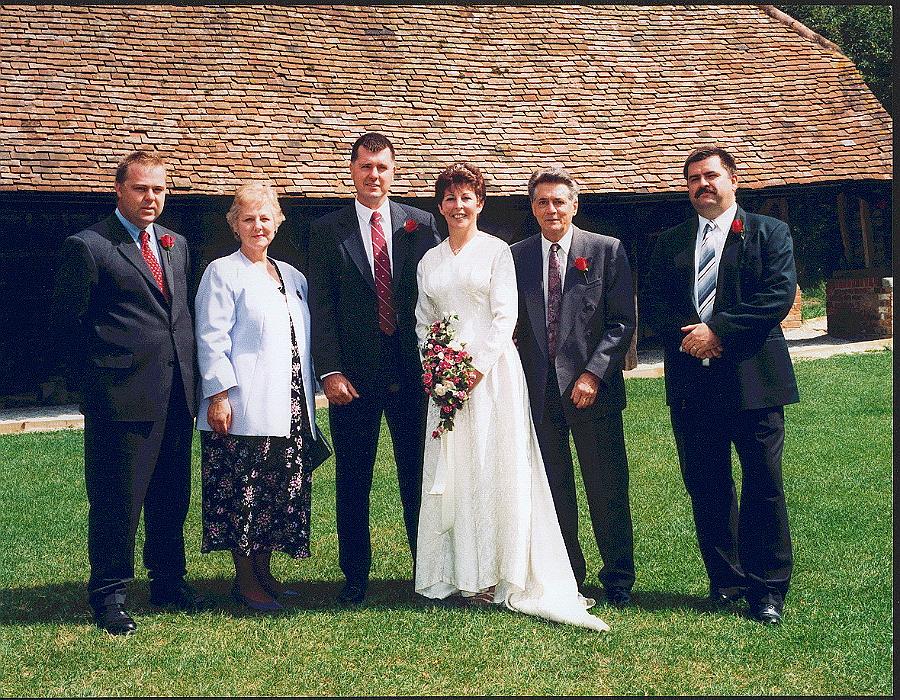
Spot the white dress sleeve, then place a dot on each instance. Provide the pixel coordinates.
(215, 313)
(426, 314)
(503, 299)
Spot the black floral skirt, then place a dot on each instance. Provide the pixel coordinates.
(257, 490)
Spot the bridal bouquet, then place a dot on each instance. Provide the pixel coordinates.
(448, 372)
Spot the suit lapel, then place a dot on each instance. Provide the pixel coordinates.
(729, 263)
(129, 249)
(400, 243)
(165, 260)
(352, 243)
(533, 283)
(684, 258)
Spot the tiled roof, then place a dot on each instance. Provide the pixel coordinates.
(618, 94)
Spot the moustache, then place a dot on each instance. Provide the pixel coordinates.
(705, 190)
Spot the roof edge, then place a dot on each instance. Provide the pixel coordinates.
(799, 27)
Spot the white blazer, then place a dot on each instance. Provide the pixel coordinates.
(244, 344)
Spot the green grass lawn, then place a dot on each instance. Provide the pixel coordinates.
(836, 638)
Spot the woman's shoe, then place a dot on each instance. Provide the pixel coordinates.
(254, 604)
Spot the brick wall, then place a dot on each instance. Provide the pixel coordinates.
(860, 305)
(795, 317)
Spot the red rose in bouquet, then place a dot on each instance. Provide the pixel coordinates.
(447, 372)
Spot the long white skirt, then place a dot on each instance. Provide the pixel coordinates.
(487, 516)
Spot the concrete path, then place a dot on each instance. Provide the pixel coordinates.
(810, 341)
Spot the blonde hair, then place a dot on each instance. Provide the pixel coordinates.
(254, 193)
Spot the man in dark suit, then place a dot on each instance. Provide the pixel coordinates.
(362, 293)
(718, 287)
(576, 319)
(122, 322)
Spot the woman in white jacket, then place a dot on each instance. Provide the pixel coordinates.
(257, 410)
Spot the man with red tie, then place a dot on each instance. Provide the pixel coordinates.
(362, 296)
(122, 324)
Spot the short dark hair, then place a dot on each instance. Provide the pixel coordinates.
(371, 141)
(460, 173)
(143, 158)
(705, 152)
(554, 175)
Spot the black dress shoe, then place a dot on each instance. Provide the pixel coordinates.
(182, 597)
(114, 620)
(768, 614)
(721, 600)
(619, 597)
(352, 594)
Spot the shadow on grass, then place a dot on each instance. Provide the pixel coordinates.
(67, 602)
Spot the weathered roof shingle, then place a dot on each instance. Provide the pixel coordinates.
(618, 94)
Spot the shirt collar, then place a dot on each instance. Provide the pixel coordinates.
(365, 214)
(723, 221)
(564, 243)
(133, 230)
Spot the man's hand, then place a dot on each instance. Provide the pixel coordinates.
(218, 415)
(338, 389)
(701, 342)
(584, 393)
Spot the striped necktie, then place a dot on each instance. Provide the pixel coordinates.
(707, 270)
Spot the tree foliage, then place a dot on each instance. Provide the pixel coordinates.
(864, 33)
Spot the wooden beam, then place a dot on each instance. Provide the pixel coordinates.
(865, 221)
(845, 229)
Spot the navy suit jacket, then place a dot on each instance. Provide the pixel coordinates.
(114, 332)
(755, 290)
(597, 320)
(343, 303)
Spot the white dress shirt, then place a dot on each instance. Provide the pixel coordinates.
(721, 227)
(564, 244)
(364, 215)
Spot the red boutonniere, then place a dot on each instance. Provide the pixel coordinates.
(167, 241)
(583, 265)
(410, 225)
(737, 226)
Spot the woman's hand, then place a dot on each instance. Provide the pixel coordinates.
(219, 412)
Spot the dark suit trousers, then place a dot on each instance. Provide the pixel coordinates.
(129, 465)
(747, 546)
(355, 430)
(600, 444)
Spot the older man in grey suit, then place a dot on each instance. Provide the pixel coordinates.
(576, 319)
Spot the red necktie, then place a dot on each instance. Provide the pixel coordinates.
(153, 264)
(387, 315)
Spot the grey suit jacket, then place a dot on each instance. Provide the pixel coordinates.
(597, 320)
(114, 332)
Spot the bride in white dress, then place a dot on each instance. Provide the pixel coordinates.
(487, 526)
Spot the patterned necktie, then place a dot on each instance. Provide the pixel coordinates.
(153, 264)
(387, 315)
(707, 270)
(554, 299)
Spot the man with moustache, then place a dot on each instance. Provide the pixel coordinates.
(122, 322)
(576, 319)
(362, 287)
(719, 285)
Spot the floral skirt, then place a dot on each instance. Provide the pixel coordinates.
(257, 490)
